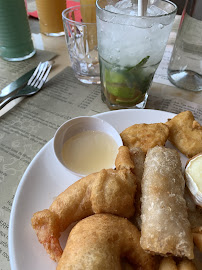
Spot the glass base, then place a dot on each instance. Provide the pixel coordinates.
(186, 79)
(59, 34)
(88, 79)
(111, 106)
(15, 59)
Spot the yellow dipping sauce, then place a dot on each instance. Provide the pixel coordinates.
(89, 151)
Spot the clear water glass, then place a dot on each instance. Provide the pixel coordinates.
(81, 38)
(185, 67)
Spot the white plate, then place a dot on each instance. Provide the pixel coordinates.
(43, 180)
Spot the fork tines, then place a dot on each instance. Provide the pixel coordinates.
(40, 75)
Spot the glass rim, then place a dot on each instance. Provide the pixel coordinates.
(77, 7)
(136, 16)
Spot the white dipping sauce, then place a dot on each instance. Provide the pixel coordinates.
(195, 171)
(89, 151)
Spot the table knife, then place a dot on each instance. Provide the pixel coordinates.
(20, 82)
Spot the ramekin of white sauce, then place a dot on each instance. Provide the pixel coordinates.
(85, 145)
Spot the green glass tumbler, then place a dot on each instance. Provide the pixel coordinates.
(15, 36)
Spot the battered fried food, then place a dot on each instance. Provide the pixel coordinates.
(123, 159)
(108, 191)
(145, 136)
(197, 236)
(169, 264)
(138, 158)
(133, 160)
(194, 211)
(99, 241)
(186, 265)
(185, 133)
(165, 226)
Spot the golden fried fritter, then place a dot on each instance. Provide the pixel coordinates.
(108, 191)
(185, 133)
(168, 263)
(145, 136)
(186, 265)
(133, 160)
(138, 157)
(99, 242)
(197, 235)
(123, 159)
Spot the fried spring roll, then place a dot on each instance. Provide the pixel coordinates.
(165, 226)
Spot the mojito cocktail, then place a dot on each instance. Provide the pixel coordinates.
(130, 49)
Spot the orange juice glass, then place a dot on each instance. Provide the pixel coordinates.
(88, 11)
(50, 16)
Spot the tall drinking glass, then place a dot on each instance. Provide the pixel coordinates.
(15, 37)
(185, 67)
(50, 19)
(130, 49)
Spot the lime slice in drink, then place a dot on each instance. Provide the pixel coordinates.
(139, 97)
(116, 84)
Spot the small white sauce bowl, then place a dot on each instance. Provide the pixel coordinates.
(78, 125)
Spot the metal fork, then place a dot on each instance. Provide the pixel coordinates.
(34, 84)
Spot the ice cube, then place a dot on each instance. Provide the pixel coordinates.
(128, 7)
(155, 11)
(122, 7)
(124, 4)
(113, 9)
(133, 13)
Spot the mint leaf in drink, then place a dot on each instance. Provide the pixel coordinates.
(141, 63)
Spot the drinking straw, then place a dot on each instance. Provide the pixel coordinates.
(142, 7)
